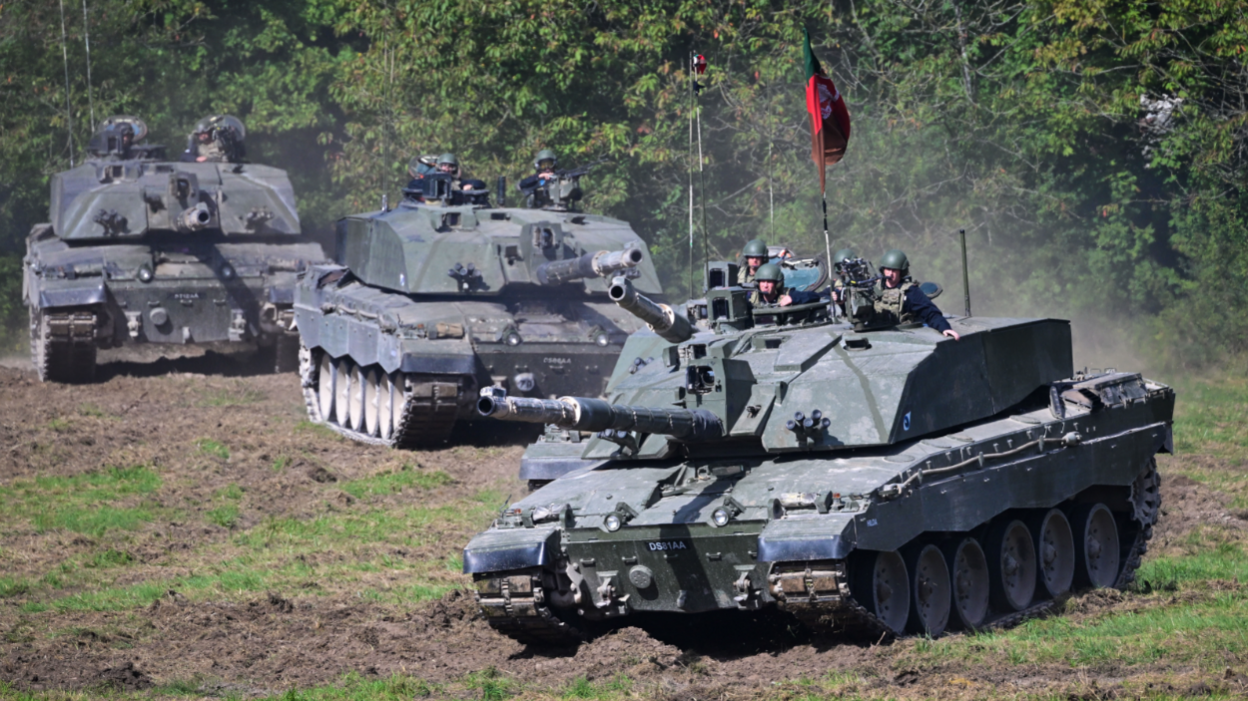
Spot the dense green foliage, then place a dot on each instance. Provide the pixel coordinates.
(1093, 149)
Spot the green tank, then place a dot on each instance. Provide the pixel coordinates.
(444, 295)
(855, 473)
(141, 249)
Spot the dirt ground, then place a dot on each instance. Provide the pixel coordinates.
(261, 643)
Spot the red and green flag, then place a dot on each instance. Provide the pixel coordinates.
(829, 119)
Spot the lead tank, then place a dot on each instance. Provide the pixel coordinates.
(141, 249)
(852, 472)
(444, 295)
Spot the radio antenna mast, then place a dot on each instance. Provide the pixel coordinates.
(86, 42)
(69, 115)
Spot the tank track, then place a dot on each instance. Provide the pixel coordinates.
(62, 345)
(516, 608)
(423, 421)
(849, 616)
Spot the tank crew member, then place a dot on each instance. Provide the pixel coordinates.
(771, 289)
(544, 164)
(755, 254)
(448, 163)
(903, 298)
(216, 139)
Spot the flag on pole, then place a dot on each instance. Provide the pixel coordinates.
(829, 119)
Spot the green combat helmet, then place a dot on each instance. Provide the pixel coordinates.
(755, 249)
(769, 272)
(545, 160)
(843, 255)
(895, 259)
(775, 462)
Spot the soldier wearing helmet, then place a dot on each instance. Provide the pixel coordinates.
(538, 186)
(903, 299)
(217, 138)
(448, 163)
(771, 289)
(755, 254)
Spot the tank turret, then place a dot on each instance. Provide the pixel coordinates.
(856, 474)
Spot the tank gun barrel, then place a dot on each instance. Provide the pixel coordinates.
(583, 414)
(662, 319)
(600, 264)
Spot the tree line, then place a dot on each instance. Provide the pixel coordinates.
(1094, 150)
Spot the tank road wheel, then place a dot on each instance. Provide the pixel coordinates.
(930, 591)
(342, 394)
(969, 573)
(355, 410)
(397, 399)
(1011, 565)
(325, 387)
(385, 409)
(371, 391)
(1055, 552)
(38, 344)
(1096, 555)
(883, 586)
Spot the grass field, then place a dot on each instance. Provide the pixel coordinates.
(80, 557)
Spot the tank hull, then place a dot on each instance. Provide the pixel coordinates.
(443, 349)
(167, 291)
(810, 534)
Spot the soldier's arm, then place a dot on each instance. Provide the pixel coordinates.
(925, 309)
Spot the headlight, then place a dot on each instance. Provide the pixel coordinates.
(612, 522)
(720, 517)
(145, 273)
(603, 340)
(513, 339)
(227, 271)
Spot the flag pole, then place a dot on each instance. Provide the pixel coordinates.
(689, 163)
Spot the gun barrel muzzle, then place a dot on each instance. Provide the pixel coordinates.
(195, 218)
(599, 264)
(661, 318)
(584, 414)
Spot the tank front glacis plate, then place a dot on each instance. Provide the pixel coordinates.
(797, 509)
(199, 291)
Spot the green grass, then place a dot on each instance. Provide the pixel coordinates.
(391, 482)
(212, 448)
(225, 515)
(237, 394)
(79, 503)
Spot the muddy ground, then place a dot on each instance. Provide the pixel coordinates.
(264, 643)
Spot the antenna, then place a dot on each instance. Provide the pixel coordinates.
(502, 191)
(86, 41)
(69, 115)
(966, 278)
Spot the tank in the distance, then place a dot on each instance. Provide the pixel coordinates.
(445, 294)
(854, 472)
(142, 249)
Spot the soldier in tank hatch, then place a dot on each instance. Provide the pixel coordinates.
(755, 254)
(216, 139)
(771, 289)
(903, 299)
(544, 165)
(538, 186)
(448, 163)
